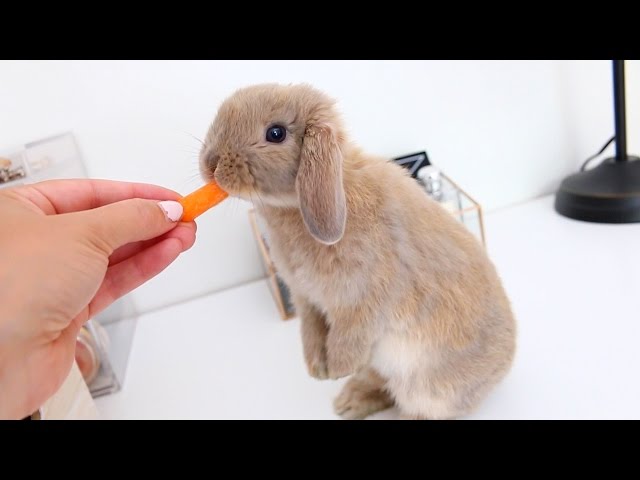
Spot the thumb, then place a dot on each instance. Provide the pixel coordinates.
(133, 220)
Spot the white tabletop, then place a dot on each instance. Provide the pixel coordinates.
(575, 289)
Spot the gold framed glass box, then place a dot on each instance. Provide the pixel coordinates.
(278, 287)
(455, 200)
(435, 183)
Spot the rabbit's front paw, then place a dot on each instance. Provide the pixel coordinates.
(340, 365)
(345, 354)
(316, 360)
(315, 356)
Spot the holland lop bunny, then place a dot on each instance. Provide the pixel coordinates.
(389, 287)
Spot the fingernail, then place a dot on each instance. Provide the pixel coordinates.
(172, 210)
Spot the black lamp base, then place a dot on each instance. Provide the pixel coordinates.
(608, 193)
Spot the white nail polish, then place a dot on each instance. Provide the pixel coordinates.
(173, 210)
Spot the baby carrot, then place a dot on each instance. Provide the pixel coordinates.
(204, 198)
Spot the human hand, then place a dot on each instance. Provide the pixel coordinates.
(68, 249)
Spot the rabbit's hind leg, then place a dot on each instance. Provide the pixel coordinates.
(364, 394)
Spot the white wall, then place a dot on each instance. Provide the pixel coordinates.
(507, 131)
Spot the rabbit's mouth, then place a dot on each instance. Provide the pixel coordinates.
(233, 172)
(229, 170)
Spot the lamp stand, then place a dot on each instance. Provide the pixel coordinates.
(610, 192)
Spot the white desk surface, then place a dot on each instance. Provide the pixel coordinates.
(575, 289)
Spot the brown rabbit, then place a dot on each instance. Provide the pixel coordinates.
(389, 287)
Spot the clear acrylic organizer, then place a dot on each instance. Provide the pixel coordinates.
(104, 343)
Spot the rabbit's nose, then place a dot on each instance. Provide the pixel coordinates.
(208, 164)
(211, 161)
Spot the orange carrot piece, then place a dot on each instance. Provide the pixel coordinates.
(204, 198)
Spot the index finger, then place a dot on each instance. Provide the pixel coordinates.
(65, 196)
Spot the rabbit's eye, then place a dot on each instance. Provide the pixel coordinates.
(276, 134)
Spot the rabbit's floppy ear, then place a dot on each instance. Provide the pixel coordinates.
(319, 184)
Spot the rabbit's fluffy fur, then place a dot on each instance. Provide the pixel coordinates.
(389, 287)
